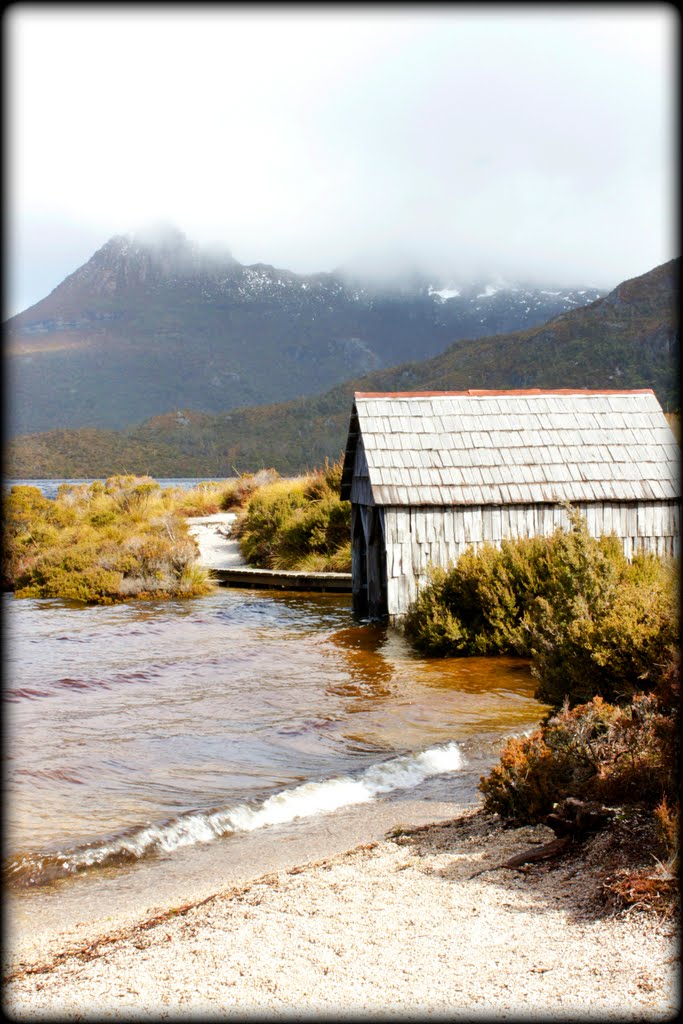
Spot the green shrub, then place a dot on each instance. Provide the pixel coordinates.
(99, 543)
(430, 624)
(297, 524)
(592, 622)
(89, 584)
(478, 606)
(601, 625)
(103, 517)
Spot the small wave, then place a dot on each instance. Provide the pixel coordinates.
(304, 801)
(13, 696)
(52, 774)
(71, 684)
(68, 683)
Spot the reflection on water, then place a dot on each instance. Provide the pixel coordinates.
(369, 674)
(136, 729)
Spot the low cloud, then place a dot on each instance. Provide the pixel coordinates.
(537, 143)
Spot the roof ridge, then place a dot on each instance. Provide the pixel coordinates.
(519, 392)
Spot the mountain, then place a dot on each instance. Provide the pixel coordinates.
(151, 324)
(627, 339)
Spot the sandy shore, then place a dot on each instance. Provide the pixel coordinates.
(395, 928)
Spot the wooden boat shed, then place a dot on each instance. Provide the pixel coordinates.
(431, 473)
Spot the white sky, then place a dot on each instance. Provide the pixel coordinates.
(536, 142)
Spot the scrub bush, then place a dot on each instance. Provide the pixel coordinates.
(600, 624)
(299, 524)
(99, 543)
(591, 622)
(525, 784)
(617, 754)
(478, 606)
(602, 636)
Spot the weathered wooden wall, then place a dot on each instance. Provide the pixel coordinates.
(431, 535)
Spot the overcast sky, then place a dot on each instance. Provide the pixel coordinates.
(536, 142)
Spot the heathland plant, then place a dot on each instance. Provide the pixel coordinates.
(618, 754)
(127, 537)
(298, 524)
(592, 622)
(602, 625)
(601, 633)
(99, 543)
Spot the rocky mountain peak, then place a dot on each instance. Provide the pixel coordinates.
(153, 322)
(149, 259)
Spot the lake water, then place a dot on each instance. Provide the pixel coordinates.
(151, 745)
(50, 487)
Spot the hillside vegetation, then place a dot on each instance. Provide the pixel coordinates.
(152, 324)
(628, 339)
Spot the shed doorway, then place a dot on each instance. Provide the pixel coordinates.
(368, 563)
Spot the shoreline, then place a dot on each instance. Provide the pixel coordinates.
(78, 910)
(397, 925)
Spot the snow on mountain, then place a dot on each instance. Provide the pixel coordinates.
(154, 323)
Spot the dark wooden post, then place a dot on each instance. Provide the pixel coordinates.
(359, 561)
(377, 565)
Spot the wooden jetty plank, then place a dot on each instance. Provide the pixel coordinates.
(245, 576)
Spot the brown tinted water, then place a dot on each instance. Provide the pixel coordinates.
(153, 743)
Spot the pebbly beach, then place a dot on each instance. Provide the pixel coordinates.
(424, 922)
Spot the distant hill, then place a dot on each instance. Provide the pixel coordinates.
(628, 339)
(153, 324)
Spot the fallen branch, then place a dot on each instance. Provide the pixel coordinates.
(530, 856)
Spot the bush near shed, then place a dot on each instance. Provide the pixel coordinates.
(624, 761)
(602, 635)
(299, 524)
(592, 622)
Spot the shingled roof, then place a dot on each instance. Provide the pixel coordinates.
(511, 447)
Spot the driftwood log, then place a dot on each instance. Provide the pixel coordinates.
(571, 820)
(530, 856)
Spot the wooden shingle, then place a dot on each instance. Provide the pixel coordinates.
(431, 448)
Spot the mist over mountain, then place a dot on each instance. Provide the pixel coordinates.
(153, 323)
(626, 339)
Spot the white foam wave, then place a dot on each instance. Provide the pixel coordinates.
(304, 801)
(313, 798)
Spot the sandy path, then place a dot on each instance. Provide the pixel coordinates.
(212, 533)
(396, 927)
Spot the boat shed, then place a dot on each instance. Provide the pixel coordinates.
(430, 473)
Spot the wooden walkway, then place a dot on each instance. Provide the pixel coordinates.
(244, 576)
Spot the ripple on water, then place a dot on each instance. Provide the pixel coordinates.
(139, 728)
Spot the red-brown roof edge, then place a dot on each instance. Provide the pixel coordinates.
(519, 391)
